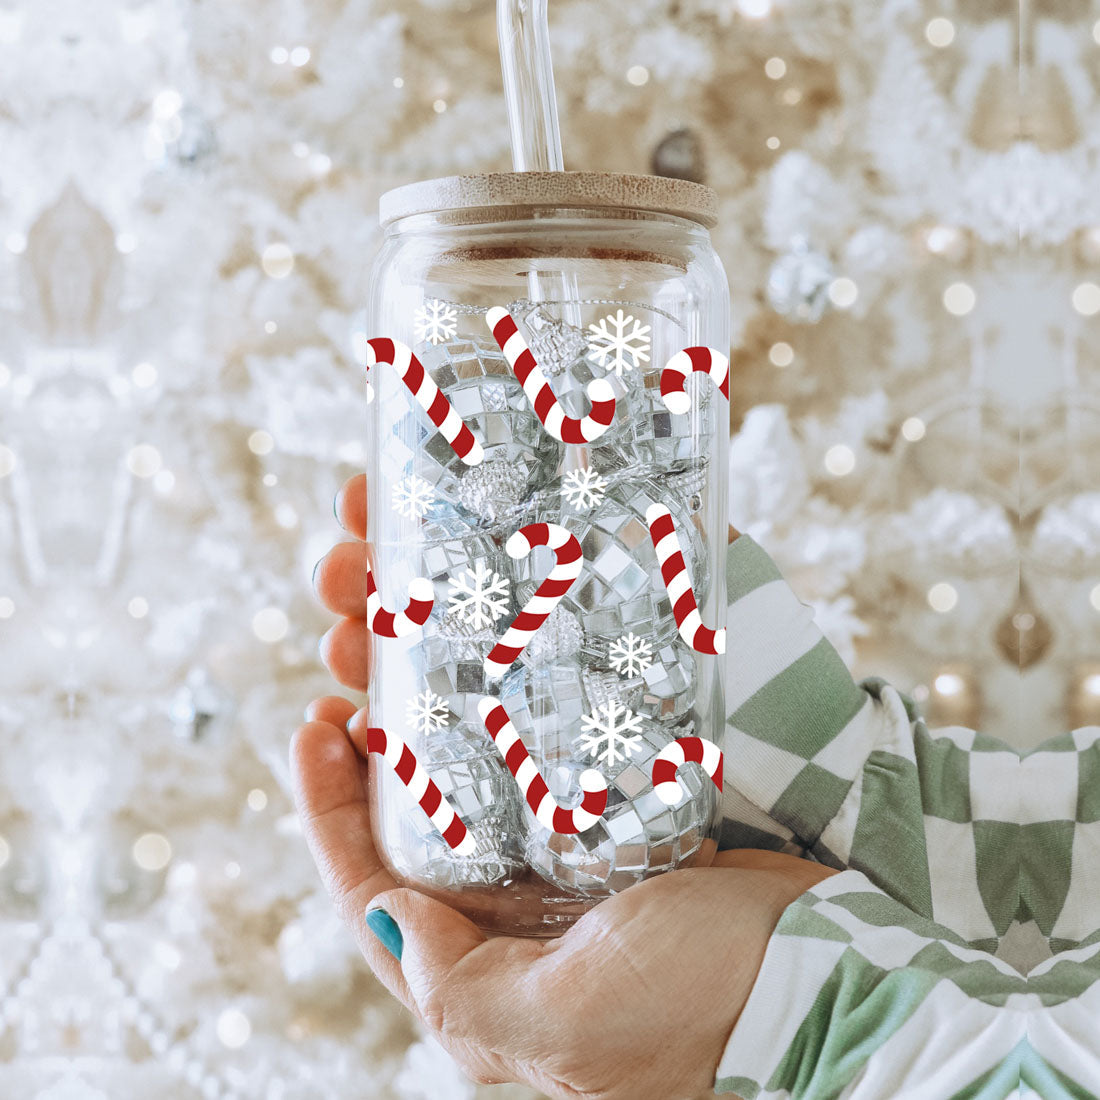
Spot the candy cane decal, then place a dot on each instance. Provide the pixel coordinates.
(662, 530)
(411, 772)
(395, 624)
(533, 786)
(684, 750)
(570, 561)
(428, 396)
(565, 429)
(708, 361)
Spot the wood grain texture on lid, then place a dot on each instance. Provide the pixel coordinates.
(591, 190)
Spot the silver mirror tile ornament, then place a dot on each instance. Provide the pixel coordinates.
(606, 276)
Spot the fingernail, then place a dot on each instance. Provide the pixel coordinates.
(313, 578)
(385, 928)
(336, 508)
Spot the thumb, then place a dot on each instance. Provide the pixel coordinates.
(473, 1010)
(427, 937)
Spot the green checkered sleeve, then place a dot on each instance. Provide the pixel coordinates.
(858, 997)
(958, 953)
(849, 774)
(1059, 839)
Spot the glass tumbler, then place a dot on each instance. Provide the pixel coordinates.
(526, 651)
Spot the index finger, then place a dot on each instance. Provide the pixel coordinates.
(330, 794)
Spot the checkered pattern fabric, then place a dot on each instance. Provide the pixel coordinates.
(958, 952)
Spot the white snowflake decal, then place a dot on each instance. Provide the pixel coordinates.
(413, 497)
(583, 488)
(436, 321)
(630, 655)
(613, 339)
(480, 597)
(426, 712)
(612, 733)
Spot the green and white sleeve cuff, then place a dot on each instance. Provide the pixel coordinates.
(860, 998)
(788, 694)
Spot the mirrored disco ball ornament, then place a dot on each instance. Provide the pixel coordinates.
(798, 283)
(194, 139)
(679, 155)
(663, 690)
(555, 699)
(450, 661)
(465, 566)
(669, 683)
(556, 696)
(520, 456)
(201, 710)
(484, 793)
(638, 835)
(620, 588)
(555, 345)
(644, 435)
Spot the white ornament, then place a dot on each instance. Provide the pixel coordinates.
(480, 597)
(436, 321)
(611, 733)
(615, 338)
(427, 712)
(583, 488)
(630, 655)
(413, 497)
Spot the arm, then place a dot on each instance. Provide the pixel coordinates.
(883, 978)
(852, 774)
(858, 997)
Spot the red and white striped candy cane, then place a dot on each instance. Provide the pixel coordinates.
(684, 750)
(565, 429)
(709, 361)
(530, 782)
(662, 530)
(428, 396)
(570, 561)
(412, 773)
(395, 624)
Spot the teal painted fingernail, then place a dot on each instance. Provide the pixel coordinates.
(385, 928)
(313, 579)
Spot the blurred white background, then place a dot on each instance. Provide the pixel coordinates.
(910, 217)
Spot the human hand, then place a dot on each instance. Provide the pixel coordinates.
(635, 1001)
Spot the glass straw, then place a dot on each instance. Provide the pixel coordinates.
(523, 33)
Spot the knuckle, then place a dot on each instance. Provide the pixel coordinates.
(482, 1076)
(479, 1066)
(434, 1011)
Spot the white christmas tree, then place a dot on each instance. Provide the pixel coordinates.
(188, 214)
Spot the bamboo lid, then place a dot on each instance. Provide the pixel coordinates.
(591, 190)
